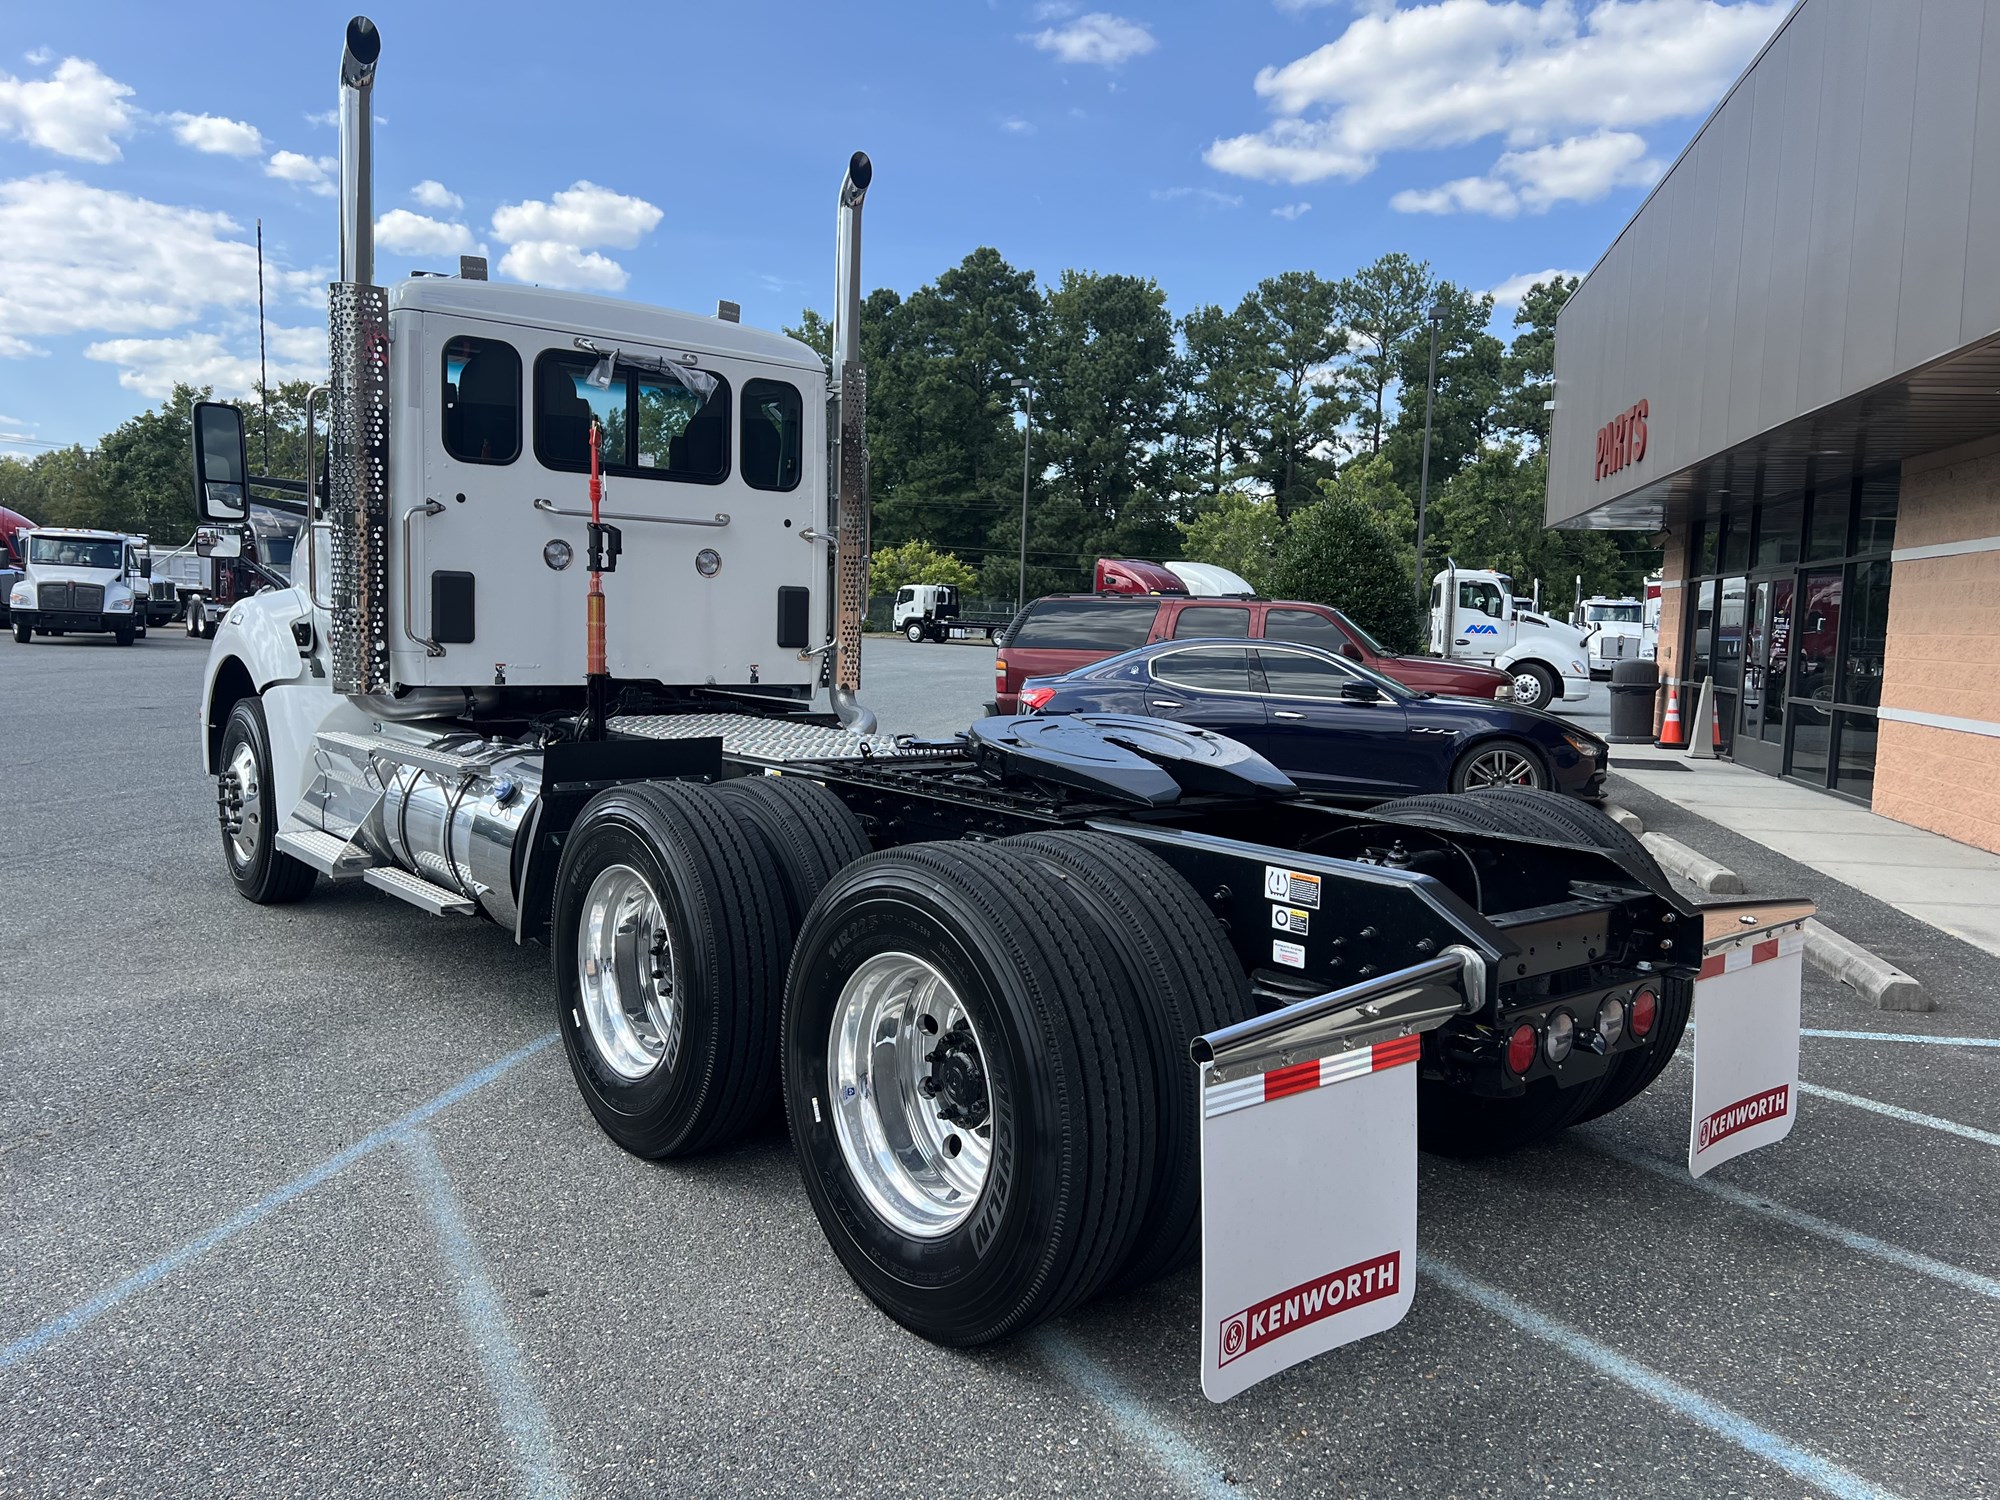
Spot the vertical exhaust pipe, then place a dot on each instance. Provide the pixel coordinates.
(849, 521)
(357, 165)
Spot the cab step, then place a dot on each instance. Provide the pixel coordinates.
(419, 892)
(334, 857)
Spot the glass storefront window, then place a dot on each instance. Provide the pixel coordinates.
(1875, 525)
(1736, 539)
(1704, 630)
(1706, 538)
(1811, 730)
(1728, 664)
(1827, 536)
(1779, 661)
(1778, 532)
(1818, 635)
(1856, 772)
(1867, 634)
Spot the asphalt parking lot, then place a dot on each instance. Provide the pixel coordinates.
(302, 1201)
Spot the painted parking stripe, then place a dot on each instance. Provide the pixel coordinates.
(88, 1311)
(522, 1415)
(1197, 1472)
(1792, 1218)
(1907, 1116)
(1801, 1463)
(1907, 1036)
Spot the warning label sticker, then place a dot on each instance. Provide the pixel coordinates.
(1291, 954)
(1291, 919)
(1292, 886)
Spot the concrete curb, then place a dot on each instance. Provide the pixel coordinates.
(1703, 873)
(1625, 818)
(1883, 985)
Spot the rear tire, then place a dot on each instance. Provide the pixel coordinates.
(807, 833)
(124, 635)
(1179, 964)
(262, 872)
(673, 910)
(1047, 1083)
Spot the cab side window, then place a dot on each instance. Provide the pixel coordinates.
(773, 412)
(650, 425)
(1481, 598)
(482, 400)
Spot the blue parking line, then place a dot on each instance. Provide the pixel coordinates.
(1853, 1239)
(1907, 1036)
(1198, 1472)
(1800, 1463)
(522, 1415)
(84, 1312)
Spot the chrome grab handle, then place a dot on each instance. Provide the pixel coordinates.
(312, 506)
(808, 534)
(549, 507)
(428, 508)
(1162, 703)
(1285, 713)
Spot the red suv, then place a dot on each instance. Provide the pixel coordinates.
(1066, 631)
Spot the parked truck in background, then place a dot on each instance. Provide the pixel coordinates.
(1028, 994)
(82, 582)
(932, 612)
(1618, 631)
(1476, 616)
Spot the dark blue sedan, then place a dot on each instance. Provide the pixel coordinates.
(1331, 725)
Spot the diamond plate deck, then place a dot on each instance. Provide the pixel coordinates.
(753, 738)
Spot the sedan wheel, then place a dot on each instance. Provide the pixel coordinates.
(1503, 763)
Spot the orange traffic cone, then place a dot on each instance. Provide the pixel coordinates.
(1670, 727)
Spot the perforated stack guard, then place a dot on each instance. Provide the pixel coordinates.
(850, 585)
(357, 506)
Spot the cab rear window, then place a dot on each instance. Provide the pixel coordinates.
(1085, 625)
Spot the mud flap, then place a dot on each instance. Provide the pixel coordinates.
(1746, 1033)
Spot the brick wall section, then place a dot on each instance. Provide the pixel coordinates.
(1943, 652)
(1941, 780)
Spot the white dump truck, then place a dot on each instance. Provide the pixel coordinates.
(1475, 615)
(1054, 1006)
(81, 582)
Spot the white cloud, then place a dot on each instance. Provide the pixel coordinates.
(582, 216)
(1579, 170)
(552, 263)
(152, 367)
(1455, 71)
(77, 111)
(1207, 197)
(1291, 210)
(326, 117)
(406, 233)
(12, 347)
(431, 193)
(76, 258)
(1014, 125)
(1100, 38)
(217, 135)
(315, 172)
(1507, 296)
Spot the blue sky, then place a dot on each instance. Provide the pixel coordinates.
(677, 154)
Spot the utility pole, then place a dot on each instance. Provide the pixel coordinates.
(1027, 442)
(1434, 317)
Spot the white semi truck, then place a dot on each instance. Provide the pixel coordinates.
(1054, 1006)
(1475, 615)
(78, 581)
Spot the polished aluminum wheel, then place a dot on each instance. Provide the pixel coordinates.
(625, 974)
(240, 803)
(910, 1095)
(1529, 690)
(1502, 766)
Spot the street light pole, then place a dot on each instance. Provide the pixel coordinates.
(1435, 317)
(1027, 441)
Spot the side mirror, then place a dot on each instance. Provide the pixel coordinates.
(229, 544)
(1360, 692)
(221, 469)
(1351, 651)
(146, 568)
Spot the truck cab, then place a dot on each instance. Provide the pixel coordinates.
(1476, 616)
(1619, 631)
(81, 582)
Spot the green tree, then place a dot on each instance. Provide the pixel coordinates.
(1338, 552)
(1218, 379)
(1491, 515)
(1235, 531)
(916, 562)
(1528, 374)
(1468, 389)
(1293, 322)
(1382, 305)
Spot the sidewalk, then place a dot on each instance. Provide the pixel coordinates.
(1950, 885)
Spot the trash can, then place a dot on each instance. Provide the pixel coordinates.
(1634, 685)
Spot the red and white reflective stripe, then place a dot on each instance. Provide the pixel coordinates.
(1746, 954)
(1319, 1073)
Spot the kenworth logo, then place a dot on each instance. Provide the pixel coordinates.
(1309, 1302)
(1772, 1104)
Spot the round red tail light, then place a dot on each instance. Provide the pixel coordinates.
(1521, 1048)
(1645, 1009)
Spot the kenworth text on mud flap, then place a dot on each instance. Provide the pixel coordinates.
(1054, 1006)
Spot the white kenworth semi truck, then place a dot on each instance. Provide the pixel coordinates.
(1054, 1006)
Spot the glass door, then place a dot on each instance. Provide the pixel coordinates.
(1816, 643)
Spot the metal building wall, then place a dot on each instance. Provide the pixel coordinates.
(1835, 223)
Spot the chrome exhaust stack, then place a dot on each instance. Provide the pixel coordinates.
(357, 501)
(848, 500)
